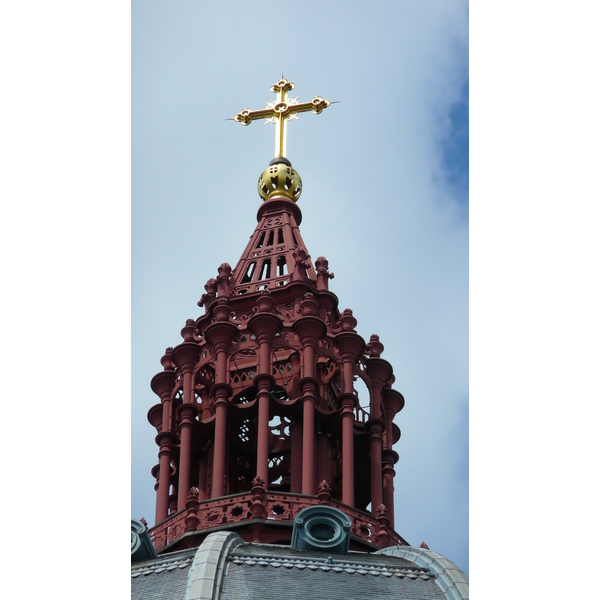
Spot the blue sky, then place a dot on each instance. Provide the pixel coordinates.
(385, 199)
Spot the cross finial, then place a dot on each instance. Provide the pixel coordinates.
(280, 111)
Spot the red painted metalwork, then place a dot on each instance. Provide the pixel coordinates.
(272, 509)
(257, 404)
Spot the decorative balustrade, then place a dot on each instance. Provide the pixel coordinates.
(361, 415)
(279, 507)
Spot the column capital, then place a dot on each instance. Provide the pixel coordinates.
(221, 309)
(265, 325)
(310, 383)
(349, 343)
(389, 457)
(347, 400)
(155, 416)
(165, 439)
(379, 369)
(375, 427)
(393, 401)
(168, 452)
(162, 384)
(187, 413)
(310, 329)
(264, 380)
(220, 333)
(184, 355)
(221, 391)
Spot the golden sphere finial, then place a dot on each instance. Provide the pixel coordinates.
(279, 180)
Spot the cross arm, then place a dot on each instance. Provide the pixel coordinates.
(246, 116)
(317, 105)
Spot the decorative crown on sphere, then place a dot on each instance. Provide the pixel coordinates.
(279, 179)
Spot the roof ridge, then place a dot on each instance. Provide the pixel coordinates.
(351, 567)
(247, 555)
(159, 564)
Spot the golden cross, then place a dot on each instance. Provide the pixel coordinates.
(281, 111)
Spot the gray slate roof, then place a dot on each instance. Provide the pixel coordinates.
(163, 578)
(226, 568)
(276, 572)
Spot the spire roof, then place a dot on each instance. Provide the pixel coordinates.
(275, 253)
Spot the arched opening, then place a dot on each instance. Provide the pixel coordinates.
(281, 266)
(265, 271)
(249, 273)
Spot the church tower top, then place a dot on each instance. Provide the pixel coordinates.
(258, 415)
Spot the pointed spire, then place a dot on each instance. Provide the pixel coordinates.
(276, 253)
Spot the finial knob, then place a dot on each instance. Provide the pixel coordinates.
(279, 180)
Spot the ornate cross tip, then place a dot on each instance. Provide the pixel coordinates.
(280, 111)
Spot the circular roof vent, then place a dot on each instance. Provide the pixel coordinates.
(322, 528)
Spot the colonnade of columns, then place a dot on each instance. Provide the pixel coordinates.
(305, 447)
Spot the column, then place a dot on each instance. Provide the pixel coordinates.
(185, 358)
(165, 455)
(375, 430)
(380, 372)
(264, 325)
(308, 434)
(187, 415)
(219, 334)
(310, 329)
(387, 467)
(221, 391)
(347, 411)
(350, 345)
(388, 487)
(162, 385)
(393, 402)
(263, 383)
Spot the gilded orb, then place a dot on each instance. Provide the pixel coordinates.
(279, 180)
